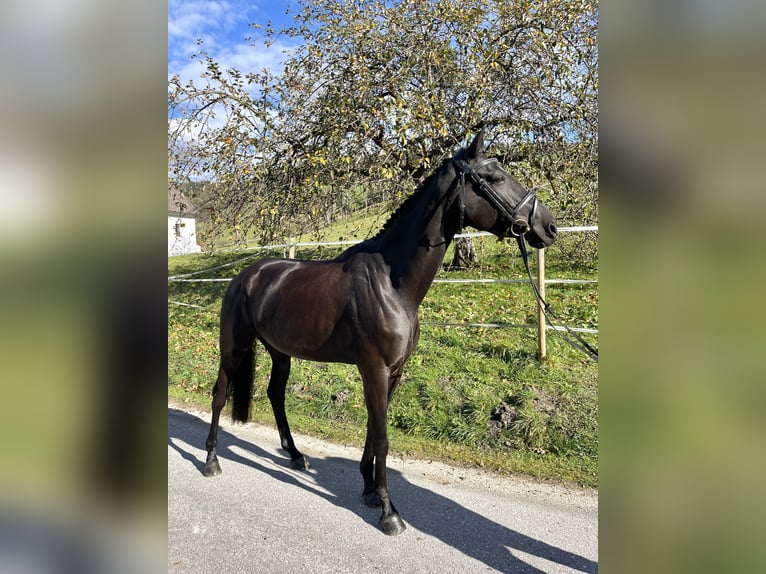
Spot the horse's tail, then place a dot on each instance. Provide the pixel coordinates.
(242, 387)
(237, 338)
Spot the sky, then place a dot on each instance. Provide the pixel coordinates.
(224, 25)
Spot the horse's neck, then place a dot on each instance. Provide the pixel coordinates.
(416, 244)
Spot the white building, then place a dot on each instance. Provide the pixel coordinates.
(182, 224)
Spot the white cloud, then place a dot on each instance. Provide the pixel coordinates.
(223, 26)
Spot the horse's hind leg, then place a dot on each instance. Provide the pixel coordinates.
(236, 369)
(212, 467)
(280, 372)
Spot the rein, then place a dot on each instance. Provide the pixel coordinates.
(581, 343)
(518, 227)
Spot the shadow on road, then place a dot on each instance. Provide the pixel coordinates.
(432, 514)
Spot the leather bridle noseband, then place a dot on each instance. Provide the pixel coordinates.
(517, 225)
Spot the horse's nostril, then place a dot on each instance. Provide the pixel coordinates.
(552, 229)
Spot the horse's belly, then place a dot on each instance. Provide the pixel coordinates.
(328, 351)
(317, 331)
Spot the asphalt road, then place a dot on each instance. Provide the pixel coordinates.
(262, 517)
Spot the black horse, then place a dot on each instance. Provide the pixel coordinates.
(362, 307)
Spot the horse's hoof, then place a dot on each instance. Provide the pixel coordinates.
(300, 464)
(212, 468)
(372, 499)
(392, 524)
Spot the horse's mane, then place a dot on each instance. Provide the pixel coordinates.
(402, 211)
(406, 206)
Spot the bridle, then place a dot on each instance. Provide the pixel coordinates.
(517, 226)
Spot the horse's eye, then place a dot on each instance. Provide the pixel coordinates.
(498, 179)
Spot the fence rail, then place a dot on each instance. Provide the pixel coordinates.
(295, 244)
(547, 281)
(292, 245)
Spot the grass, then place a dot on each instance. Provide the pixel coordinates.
(470, 396)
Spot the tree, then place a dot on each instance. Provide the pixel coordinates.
(464, 256)
(377, 94)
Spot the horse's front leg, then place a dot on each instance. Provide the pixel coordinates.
(377, 383)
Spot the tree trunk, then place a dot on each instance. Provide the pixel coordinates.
(465, 253)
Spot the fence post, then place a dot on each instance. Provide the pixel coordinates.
(292, 248)
(541, 344)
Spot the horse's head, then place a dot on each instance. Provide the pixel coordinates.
(494, 201)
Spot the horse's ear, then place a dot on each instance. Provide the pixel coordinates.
(476, 147)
